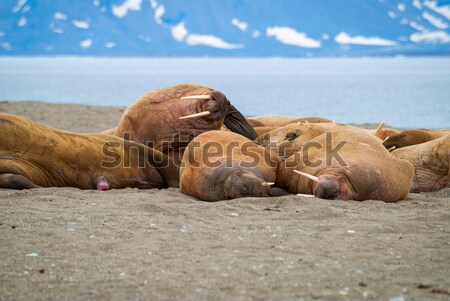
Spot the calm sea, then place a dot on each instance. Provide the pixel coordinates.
(404, 92)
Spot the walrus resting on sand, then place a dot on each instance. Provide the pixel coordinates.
(412, 137)
(346, 163)
(431, 162)
(221, 165)
(33, 155)
(168, 118)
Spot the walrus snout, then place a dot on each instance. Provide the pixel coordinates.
(326, 188)
(101, 183)
(244, 184)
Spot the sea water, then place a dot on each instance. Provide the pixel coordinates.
(404, 92)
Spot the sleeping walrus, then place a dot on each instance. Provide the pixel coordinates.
(346, 163)
(412, 137)
(280, 120)
(33, 155)
(431, 162)
(168, 118)
(221, 165)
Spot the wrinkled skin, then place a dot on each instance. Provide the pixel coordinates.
(153, 119)
(281, 120)
(221, 165)
(371, 172)
(33, 155)
(431, 162)
(412, 137)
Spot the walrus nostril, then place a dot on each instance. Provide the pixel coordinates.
(326, 189)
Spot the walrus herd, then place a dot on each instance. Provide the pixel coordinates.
(190, 136)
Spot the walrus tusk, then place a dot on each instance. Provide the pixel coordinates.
(386, 139)
(311, 177)
(379, 128)
(268, 183)
(201, 114)
(391, 149)
(306, 195)
(197, 97)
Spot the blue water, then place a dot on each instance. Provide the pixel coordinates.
(404, 92)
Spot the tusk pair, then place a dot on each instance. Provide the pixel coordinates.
(201, 114)
(311, 177)
(197, 97)
(268, 183)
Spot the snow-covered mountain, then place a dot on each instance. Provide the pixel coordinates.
(225, 27)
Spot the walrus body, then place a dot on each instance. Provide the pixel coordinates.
(281, 120)
(221, 165)
(412, 137)
(431, 162)
(33, 155)
(154, 118)
(346, 163)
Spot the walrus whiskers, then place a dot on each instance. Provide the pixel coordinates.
(379, 128)
(311, 177)
(197, 97)
(201, 114)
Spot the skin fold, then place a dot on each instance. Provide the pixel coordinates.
(431, 162)
(33, 155)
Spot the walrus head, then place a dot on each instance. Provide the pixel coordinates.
(330, 186)
(241, 184)
(216, 106)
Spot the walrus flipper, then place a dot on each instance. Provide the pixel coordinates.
(12, 181)
(166, 167)
(236, 122)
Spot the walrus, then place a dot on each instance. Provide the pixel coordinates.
(221, 165)
(346, 163)
(412, 137)
(431, 162)
(383, 132)
(281, 120)
(168, 118)
(33, 155)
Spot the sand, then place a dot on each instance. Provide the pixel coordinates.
(69, 244)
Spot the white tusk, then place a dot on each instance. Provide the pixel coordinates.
(197, 97)
(201, 114)
(268, 183)
(386, 138)
(379, 128)
(311, 177)
(391, 149)
(306, 195)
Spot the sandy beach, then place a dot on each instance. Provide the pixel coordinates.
(130, 244)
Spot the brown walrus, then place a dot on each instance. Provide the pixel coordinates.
(168, 118)
(431, 162)
(281, 120)
(221, 165)
(412, 137)
(346, 163)
(33, 155)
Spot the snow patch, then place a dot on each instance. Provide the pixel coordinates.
(110, 45)
(5, 45)
(417, 26)
(122, 10)
(290, 36)
(159, 12)
(60, 16)
(19, 5)
(179, 32)
(401, 7)
(432, 37)
(435, 21)
(211, 41)
(85, 44)
(417, 4)
(22, 22)
(239, 24)
(344, 38)
(80, 24)
(442, 10)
